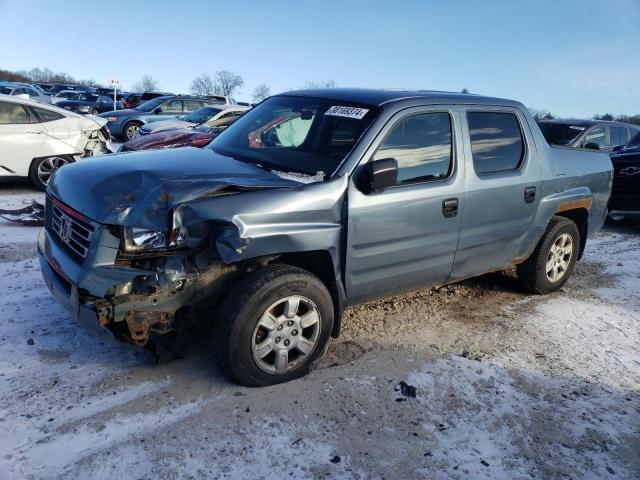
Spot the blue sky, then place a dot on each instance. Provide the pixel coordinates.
(572, 57)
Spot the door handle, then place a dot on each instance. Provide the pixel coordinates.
(529, 194)
(450, 207)
(39, 132)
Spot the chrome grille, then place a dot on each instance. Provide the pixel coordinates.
(73, 232)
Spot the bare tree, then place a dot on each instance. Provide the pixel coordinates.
(261, 92)
(146, 84)
(606, 117)
(203, 85)
(465, 90)
(320, 84)
(541, 114)
(226, 82)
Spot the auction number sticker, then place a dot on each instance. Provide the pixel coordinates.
(348, 112)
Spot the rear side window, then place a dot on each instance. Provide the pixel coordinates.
(172, 106)
(46, 115)
(421, 144)
(191, 105)
(496, 141)
(13, 113)
(619, 135)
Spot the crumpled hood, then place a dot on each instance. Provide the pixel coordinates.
(140, 188)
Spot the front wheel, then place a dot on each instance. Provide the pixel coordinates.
(552, 262)
(41, 169)
(130, 130)
(273, 326)
(95, 112)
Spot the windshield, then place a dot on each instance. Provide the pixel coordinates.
(560, 133)
(151, 104)
(201, 115)
(296, 134)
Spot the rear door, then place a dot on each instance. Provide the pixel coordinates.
(504, 181)
(20, 139)
(403, 237)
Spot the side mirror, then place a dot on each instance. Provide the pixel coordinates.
(157, 110)
(380, 174)
(592, 146)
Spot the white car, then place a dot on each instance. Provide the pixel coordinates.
(195, 118)
(37, 139)
(24, 90)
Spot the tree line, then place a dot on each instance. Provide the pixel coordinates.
(223, 82)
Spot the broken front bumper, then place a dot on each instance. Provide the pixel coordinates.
(123, 303)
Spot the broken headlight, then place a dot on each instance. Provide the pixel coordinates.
(144, 239)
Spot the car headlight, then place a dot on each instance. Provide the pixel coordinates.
(112, 119)
(144, 239)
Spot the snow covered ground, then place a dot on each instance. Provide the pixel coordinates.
(509, 386)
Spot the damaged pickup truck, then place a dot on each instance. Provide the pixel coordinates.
(313, 201)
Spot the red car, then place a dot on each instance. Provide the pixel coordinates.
(180, 137)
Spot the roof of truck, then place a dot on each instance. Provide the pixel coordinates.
(381, 97)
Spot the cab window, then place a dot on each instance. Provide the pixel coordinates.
(496, 142)
(421, 144)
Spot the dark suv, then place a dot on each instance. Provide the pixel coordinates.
(592, 134)
(125, 123)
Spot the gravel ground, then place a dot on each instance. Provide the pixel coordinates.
(509, 386)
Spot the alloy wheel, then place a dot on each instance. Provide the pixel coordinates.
(48, 167)
(559, 258)
(286, 334)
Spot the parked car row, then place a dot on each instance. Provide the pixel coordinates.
(194, 130)
(125, 124)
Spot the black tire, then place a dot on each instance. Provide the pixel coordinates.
(238, 317)
(37, 162)
(95, 112)
(532, 274)
(128, 130)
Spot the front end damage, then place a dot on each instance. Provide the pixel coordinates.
(217, 230)
(146, 299)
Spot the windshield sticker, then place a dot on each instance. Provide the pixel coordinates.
(576, 127)
(348, 112)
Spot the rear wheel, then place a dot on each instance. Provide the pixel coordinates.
(42, 168)
(273, 326)
(552, 262)
(130, 130)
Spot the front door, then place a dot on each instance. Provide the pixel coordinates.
(504, 182)
(405, 237)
